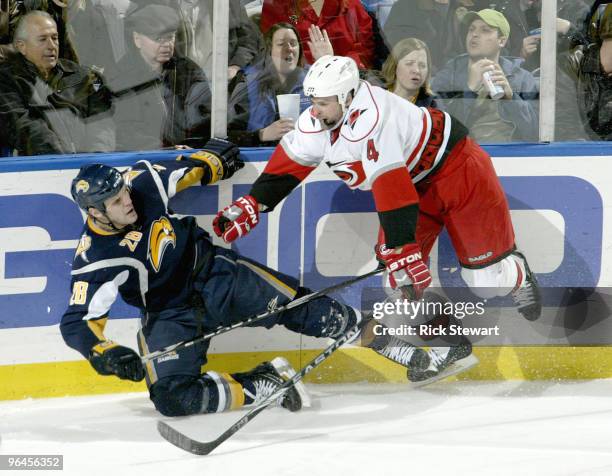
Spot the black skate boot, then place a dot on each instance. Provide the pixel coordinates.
(263, 380)
(527, 297)
(446, 361)
(413, 358)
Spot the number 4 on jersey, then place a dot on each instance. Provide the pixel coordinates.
(372, 152)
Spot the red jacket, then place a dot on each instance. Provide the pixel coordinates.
(347, 23)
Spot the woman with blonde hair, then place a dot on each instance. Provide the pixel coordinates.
(407, 72)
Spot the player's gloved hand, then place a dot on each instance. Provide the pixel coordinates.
(222, 158)
(109, 358)
(406, 268)
(237, 219)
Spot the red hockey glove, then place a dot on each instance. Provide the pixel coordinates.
(237, 219)
(406, 268)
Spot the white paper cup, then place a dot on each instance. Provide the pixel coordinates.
(288, 106)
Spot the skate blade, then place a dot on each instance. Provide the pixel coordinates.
(284, 368)
(455, 368)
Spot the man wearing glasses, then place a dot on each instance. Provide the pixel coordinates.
(161, 98)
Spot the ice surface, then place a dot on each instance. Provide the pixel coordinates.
(513, 428)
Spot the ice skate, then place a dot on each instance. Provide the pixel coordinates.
(444, 362)
(527, 296)
(401, 352)
(266, 378)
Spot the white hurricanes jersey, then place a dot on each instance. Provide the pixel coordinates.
(381, 132)
(385, 144)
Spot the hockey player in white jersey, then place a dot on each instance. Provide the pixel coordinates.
(425, 173)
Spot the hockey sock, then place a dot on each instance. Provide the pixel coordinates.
(222, 392)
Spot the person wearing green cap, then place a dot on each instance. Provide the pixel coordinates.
(462, 84)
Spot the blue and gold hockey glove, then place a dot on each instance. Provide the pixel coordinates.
(222, 159)
(108, 358)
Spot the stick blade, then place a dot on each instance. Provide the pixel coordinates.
(182, 441)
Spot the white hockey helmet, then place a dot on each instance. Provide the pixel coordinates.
(332, 76)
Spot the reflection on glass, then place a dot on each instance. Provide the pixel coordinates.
(275, 79)
(347, 23)
(197, 35)
(160, 80)
(407, 72)
(462, 83)
(161, 98)
(584, 84)
(48, 104)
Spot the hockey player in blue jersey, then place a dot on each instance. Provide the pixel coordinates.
(132, 245)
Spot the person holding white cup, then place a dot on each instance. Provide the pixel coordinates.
(267, 98)
(288, 106)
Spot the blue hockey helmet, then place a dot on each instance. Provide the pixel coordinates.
(94, 184)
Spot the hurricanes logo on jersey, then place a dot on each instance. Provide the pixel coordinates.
(353, 116)
(352, 173)
(161, 236)
(313, 117)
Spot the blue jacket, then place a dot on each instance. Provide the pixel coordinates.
(454, 96)
(263, 110)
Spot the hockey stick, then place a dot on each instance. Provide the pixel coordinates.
(256, 318)
(205, 447)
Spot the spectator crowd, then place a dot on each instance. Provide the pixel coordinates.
(118, 75)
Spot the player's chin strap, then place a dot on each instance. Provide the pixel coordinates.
(110, 224)
(339, 123)
(345, 107)
(257, 317)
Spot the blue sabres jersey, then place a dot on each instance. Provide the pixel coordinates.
(150, 264)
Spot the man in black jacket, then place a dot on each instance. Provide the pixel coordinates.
(195, 33)
(50, 105)
(161, 98)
